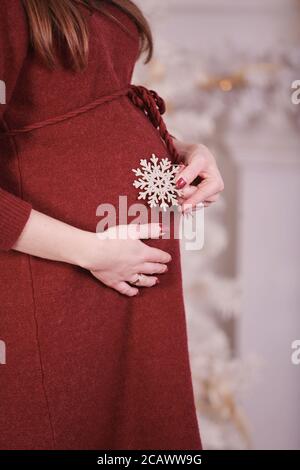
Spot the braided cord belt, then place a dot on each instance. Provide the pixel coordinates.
(147, 100)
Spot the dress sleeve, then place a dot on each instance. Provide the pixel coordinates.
(14, 38)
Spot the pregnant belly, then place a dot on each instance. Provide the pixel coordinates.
(70, 168)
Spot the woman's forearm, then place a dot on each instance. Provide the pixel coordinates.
(113, 260)
(49, 238)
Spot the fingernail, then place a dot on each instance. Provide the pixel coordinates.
(180, 183)
(157, 281)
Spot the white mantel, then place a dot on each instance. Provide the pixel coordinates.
(268, 257)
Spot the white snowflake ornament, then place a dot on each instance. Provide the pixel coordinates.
(156, 181)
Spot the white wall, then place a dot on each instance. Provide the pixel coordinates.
(267, 254)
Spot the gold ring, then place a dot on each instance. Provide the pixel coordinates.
(137, 280)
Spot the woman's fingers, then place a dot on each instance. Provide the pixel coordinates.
(200, 164)
(120, 286)
(187, 174)
(152, 268)
(213, 198)
(132, 260)
(155, 255)
(125, 289)
(187, 192)
(134, 231)
(144, 281)
(205, 190)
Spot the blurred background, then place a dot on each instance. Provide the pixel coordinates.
(225, 69)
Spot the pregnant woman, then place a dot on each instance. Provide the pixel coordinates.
(94, 327)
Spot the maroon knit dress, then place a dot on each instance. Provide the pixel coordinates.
(86, 367)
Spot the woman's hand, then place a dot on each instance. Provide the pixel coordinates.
(118, 255)
(198, 162)
(115, 256)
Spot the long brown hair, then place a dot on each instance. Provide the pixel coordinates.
(51, 21)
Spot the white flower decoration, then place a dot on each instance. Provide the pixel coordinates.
(157, 182)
